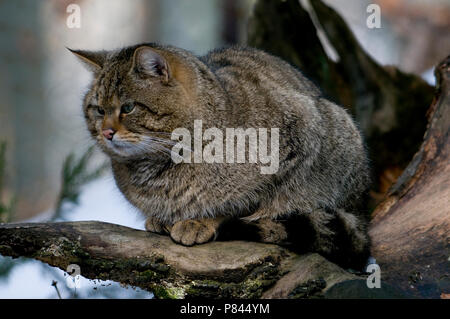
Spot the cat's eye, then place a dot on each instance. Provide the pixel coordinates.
(100, 110)
(127, 108)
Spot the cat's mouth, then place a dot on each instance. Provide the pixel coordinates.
(122, 148)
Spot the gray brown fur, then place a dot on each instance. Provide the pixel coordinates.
(323, 173)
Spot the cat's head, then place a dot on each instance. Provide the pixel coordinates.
(139, 95)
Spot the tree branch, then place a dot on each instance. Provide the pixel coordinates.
(234, 269)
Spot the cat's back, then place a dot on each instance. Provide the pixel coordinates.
(253, 67)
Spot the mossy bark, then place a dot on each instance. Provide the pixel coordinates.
(232, 269)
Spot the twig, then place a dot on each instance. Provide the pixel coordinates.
(55, 284)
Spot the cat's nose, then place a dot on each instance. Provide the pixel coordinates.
(108, 133)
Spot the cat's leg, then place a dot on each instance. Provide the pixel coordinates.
(155, 226)
(196, 231)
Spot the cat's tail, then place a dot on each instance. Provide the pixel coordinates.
(338, 235)
(341, 236)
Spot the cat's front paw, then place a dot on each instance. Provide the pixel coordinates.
(154, 226)
(191, 232)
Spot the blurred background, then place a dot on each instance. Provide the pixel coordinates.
(42, 84)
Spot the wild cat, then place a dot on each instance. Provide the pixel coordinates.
(141, 94)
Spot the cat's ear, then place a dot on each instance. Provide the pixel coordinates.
(149, 63)
(93, 60)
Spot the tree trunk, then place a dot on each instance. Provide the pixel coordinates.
(410, 229)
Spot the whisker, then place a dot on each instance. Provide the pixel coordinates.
(156, 138)
(164, 140)
(154, 145)
(160, 133)
(149, 148)
(168, 152)
(151, 140)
